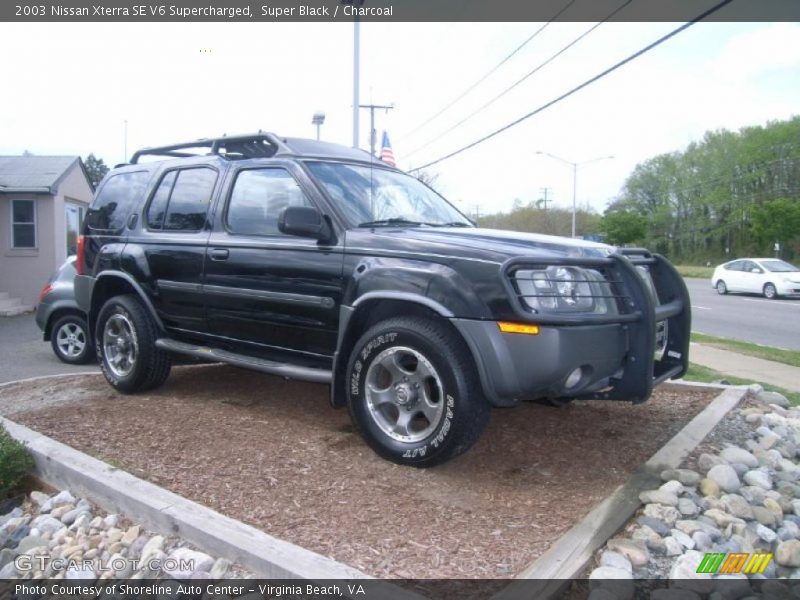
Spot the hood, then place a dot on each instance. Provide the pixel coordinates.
(488, 244)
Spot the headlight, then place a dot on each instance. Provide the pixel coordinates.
(565, 289)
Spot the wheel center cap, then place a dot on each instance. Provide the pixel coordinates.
(405, 394)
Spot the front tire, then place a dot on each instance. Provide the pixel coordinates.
(70, 340)
(722, 289)
(770, 292)
(413, 392)
(125, 338)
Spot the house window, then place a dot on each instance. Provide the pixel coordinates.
(23, 224)
(74, 218)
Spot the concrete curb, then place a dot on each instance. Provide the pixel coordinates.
(116, 491)
(56, 376)
(573, 551)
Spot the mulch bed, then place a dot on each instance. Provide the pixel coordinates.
(274, 454)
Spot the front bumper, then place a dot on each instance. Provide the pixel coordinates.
(616, 353)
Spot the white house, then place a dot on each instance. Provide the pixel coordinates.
(42, 203)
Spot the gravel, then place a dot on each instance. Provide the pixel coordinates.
(94, 546)
(760, 516)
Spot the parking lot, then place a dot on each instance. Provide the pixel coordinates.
(274, 454)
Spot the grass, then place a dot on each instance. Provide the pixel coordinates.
(706, 375)
(787, 357)
(695, 271)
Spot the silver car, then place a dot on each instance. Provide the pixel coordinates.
(63, 323)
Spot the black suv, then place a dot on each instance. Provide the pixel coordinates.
(318, 262)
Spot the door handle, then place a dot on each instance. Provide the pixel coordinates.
(219, 254)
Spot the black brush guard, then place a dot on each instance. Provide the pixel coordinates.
(638, 314)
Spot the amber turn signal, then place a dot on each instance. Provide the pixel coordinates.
(508, 327)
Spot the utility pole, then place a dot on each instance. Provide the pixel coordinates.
(372, 108)
(574, 166)
(477, 213)
(545, 200)
(125, 141)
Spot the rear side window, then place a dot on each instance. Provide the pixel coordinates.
(182, 199)
(116, 199)
(736, 265)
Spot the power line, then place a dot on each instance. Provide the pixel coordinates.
(491, 71)
(520, 81)
(578, 88)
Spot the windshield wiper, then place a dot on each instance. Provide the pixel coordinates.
(453, 224)
(389, 222)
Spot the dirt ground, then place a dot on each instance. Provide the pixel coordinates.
(274, 454)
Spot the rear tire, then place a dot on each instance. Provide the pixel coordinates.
(125, 338)
(722, 289)
(770, 292)
(413, 392)
(69, 338)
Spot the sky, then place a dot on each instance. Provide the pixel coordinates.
(69, 88)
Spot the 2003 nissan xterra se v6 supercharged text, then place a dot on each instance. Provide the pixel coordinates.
(317, 262)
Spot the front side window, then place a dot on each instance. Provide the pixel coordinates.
(257, 199)
(23, 224)
(374, 196)
(116, 199)
(182, 199)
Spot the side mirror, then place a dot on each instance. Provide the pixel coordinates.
(756, 270)
(304, 221)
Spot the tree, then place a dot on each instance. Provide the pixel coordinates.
(426, 177)
(777, 221)
(623, 227)
(96, 169)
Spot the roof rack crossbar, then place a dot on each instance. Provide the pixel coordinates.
(253, 142)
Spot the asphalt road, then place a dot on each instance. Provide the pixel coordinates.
(23, 354)
(745, 317)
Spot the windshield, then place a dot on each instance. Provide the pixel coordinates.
(779, 266)
(374, 197)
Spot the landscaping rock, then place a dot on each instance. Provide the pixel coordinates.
(787, 554)
(773, 398)
(765, 533)
(673, 546)
(687, 507)
(635, 551)
(725, 477)
(734, 454)
(686, 476)
(737, 506)
(657, 525)
(658, 497)
(706, 461)
(683, 539)
(758, 478)
(709, 487)
(667, 514)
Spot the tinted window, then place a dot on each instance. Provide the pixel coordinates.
(188, 201)
(116, 199)
(258, 197)
(158, 205)
(735, 265)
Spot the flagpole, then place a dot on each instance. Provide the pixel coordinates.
(356, 51)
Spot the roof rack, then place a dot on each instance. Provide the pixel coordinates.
(254, 145)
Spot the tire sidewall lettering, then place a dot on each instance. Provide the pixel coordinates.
(364, 354)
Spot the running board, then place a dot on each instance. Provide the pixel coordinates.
(247, 362)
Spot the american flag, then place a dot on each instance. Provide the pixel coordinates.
(387, 155)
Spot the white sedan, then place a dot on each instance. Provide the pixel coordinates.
(769, 276)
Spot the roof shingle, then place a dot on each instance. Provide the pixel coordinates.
(32, 173)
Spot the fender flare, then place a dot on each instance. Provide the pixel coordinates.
(136, 287)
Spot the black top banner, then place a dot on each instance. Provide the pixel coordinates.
(390, 10)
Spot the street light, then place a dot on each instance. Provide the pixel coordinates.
(318, 119)
(574, 166)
